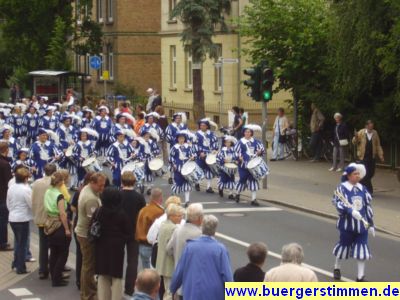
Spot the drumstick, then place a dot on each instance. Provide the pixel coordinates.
(347, 204)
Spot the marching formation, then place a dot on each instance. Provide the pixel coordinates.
(87, 140)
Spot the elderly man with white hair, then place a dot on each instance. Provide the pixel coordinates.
(340, 143)
(291, 269)
(204, 266)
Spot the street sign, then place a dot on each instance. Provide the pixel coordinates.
(106, 75)
(95, 62)
(230, 60)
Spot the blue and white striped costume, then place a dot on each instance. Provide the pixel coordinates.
(67, 137)
(178, 156)
(353, 240)
(170, 132)
(147, 126)
(86, 122)
(207, 142)
(118, 154)
(42, 110)
(247, 149)
(42, 154)
(224, 180)
(28, 163)
(82, 151)
(13, 147)
(50, 123)
(31, 122)
(16, 121)
(150, 150)
(103, 126)
(118, 127)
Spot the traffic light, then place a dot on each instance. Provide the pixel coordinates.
(253, 82)
(267, 81)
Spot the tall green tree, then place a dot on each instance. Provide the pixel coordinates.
(291, 36)
(202, 20)
(57, 58)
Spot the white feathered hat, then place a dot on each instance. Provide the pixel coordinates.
(130, 133)
(91, 132)
(208, 122)
(105, 108)
(230, 138)
(129, 117)
(253, 127)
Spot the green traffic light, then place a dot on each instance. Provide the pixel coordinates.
(267, 95)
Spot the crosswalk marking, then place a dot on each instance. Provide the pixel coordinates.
(20, 292)
(30, 299)
(240, 209)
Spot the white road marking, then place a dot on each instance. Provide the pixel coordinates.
(240, 209)
(30, 299)
(278, 256)
(20, 292)
(206, 203)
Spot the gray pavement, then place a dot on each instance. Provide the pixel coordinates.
(241, 224)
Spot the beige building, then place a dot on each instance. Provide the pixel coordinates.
(131, 49)
(223, 87)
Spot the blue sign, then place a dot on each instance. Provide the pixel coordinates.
(95, 62)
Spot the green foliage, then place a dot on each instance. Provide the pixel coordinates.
(126, 90)
(57, 58)
(201, 18)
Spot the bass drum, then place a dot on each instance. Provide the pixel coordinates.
(91, 165)
(211, 161)
(192, 172)
(156, 166)
(258, 168)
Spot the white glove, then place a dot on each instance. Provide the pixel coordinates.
(356, 215)
(371, 230)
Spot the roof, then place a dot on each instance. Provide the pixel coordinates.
(54, 73)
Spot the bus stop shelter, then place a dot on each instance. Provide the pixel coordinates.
(53, 84)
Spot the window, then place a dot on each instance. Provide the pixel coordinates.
(188, 70)
(78, 12)
(218, 71)
(100, 11)
(110, 10)
(110, 61)
(173, 67)
(171, 6)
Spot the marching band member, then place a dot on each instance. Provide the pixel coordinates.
(83, 149)
(179, 154)
(23, 159)
(247, 148)
(103, 125)
(227, 154)
(207, 143)
(87, 117)
(118, 154)
(151, 122)
(151, 150)
(66, 134)
(178, 124)
(49, 121)
(44, 151)
(42, 106)
(13, 145)
(31, 122)
(353, 203)
(16, 121)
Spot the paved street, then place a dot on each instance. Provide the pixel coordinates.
(242, 224)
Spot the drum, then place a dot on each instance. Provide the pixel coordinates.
(211, 161)
(137, 168)
(192, 172)
(258, 168)
(69, 152)
(91, 165)
(230, 169)
(156, 166)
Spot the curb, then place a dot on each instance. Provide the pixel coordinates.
(313, 211)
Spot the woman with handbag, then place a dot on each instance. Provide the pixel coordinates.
(114, 232)
(57, 228)
(340, 142)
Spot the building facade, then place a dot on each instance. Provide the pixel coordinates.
(222, 84)
(131, 48)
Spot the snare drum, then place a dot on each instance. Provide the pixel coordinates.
(156, 166)
(211, 161)
(137, 168)
(69, 152)
(192, 172)
(91, 165)
(258, 168)
(230, 169)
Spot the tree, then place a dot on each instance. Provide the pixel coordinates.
(201, 18)
(57, 58)
(291, 36)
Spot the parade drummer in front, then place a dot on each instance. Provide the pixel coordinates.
(353, 203)
(179, 154)
(207, 143)
(246, 149)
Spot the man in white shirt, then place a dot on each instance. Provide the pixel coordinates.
(279, 134)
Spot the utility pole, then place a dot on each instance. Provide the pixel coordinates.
(264, 138)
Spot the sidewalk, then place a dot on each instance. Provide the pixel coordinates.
(309, 187)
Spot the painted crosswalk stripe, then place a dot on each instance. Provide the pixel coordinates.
(30, 299)
(240, 209)
(20, 292)
(278, 256)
